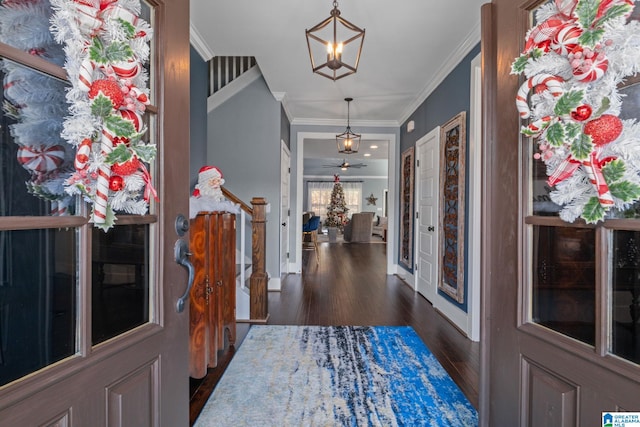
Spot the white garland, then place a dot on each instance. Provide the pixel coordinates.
(36, 102)
(620, 45)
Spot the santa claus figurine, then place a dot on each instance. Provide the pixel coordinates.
(209, 182)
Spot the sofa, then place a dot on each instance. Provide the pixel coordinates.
(380, 227)
(358, 229)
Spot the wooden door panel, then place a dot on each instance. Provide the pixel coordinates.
(549, 399)
(133, 400)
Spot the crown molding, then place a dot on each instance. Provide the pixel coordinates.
(342, 122)
(198, 43)
(472, 39)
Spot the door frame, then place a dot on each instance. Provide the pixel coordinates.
(393, 183)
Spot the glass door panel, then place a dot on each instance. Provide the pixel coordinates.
(120, 280)
(38, 297)
(625, 295)
(563, 292)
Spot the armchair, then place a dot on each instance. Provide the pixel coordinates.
(359, 228)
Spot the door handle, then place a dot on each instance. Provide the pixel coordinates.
(284, 224)
(181, 251)
(431, 228)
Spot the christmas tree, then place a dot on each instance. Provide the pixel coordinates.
(337, 209)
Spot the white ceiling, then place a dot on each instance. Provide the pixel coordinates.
(409, 47)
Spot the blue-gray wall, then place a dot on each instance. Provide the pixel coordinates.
(450, 97)
(198, 124)
(243, 136)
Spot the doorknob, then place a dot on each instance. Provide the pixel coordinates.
(181, 252)
(284, 224)
(431, 228)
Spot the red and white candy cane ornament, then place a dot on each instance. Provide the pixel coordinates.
(85, 76)
(82, 155)
(41, 159)
(593, 168)
(102, 183)
(551, 83)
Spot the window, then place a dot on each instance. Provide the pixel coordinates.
(319, 196)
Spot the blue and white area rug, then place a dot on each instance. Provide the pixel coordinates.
(335, 376)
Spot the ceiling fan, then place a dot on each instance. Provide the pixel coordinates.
(346, 165)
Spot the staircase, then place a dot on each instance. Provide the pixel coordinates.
(225, 69)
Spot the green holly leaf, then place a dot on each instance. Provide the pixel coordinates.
(581, 147)
(101, 106)
(603, 107)
(593, 211)
(625, 190)
(572, 131)
(615, 12)
(555, 134)
(118, 51)
(518, 65)
(586, 11)
(146, 152)
(96, 51)
(120, 154)
(614, 170)
(591, 37)
(129, 29)
(119, 126)
(567, 102)
(109, 221)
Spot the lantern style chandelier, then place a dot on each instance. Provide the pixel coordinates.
(334, 46)
(348, 142)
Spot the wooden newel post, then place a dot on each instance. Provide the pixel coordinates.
(258, 282)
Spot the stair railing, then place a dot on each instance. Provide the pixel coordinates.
(258, 281)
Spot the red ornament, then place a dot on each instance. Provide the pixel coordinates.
(581, 113)
(604, 129)
(121, 140)
(126, 168)
(110, 89)
(116, 183)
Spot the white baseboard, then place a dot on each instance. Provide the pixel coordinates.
(275, 284)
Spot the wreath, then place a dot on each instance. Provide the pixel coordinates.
(106, 45)
(574, 59)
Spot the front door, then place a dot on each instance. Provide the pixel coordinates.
(560, 328)
(89, 331)
(427, 196)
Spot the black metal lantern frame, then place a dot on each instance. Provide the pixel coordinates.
(348, 142)
(334, 46)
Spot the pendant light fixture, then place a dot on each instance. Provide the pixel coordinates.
(348, 142)
(334, 46)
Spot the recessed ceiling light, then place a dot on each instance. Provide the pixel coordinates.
(373, 146)
(367, 154)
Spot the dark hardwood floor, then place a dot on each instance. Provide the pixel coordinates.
(350, 287)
